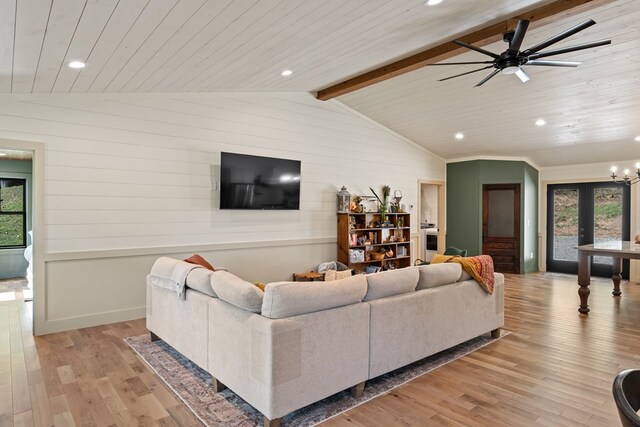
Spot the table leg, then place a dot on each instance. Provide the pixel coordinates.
(617, 276)
(584, 279)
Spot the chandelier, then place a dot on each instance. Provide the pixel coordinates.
(626, 179)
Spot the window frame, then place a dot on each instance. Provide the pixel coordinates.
(22, 213)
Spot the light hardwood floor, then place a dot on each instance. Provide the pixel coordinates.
(554, 369)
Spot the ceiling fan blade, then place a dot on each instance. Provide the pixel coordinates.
(563, 35)
(518, 36)
(554, 63)
(569, 49)
(464, 74)
(477, 49)
(461, 63)
(522, 75)
(483, 81)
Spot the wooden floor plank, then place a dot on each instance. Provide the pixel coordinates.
(554, 369)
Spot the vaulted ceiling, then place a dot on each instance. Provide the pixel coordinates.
(243, 45)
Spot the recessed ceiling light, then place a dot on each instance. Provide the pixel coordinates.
(459, 135)
(76, 64)
(540, 122)
(433, 2)
(3, 154)
(637, 138)
(286, 73)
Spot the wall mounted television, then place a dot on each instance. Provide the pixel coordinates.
(255, 182)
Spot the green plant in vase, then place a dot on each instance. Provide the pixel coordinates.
(386, 190)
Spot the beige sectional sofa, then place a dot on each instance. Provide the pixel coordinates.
(299, 342)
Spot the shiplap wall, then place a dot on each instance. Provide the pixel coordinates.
(127, 172)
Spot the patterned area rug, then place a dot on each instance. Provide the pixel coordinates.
(192, 385)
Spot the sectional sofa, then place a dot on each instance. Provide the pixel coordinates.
(299, 342)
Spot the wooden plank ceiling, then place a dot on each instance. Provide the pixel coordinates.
(145, 46)
(217, 45)
(591, 111)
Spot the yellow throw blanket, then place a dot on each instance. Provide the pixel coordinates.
(479, 267)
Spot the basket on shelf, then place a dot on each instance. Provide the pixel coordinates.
(377, 256)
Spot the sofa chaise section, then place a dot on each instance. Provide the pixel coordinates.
(440, 314)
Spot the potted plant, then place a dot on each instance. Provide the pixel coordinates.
(383, 203)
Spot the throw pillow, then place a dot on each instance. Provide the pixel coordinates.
(260, 285)
(329, 275)
(343, 274)
(197, 259)
(326, 266)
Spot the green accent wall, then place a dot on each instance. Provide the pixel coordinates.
(464, 205)
(12, 261)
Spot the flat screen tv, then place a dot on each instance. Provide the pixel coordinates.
(254, 182)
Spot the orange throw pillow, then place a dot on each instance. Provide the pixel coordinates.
(197, 259)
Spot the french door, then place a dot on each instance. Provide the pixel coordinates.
(579, 214)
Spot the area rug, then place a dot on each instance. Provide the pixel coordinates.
(225, 408)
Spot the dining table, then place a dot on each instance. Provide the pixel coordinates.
(617, 250)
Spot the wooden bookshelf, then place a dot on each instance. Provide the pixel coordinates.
(361, 235)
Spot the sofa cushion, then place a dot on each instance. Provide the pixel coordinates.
(392, 282)
(433, 275)
(286, 299)
(200, 280)
(235, 291)
(464, 276)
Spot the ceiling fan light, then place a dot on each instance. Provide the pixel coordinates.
(522, 75)
(510, 70)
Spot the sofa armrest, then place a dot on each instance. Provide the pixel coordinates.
(280, 365)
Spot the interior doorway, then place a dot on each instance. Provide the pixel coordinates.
(501, 226)
(35, 214)
(584, 213)
(16, 223)
(431, 218)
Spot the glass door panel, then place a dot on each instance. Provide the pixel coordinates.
(500, 220)
(565, 224)
(607, 218)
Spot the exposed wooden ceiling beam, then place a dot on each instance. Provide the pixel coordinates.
(492, 33)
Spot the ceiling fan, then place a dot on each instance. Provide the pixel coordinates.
(512, 60)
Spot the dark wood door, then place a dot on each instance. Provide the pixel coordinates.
(501, 226)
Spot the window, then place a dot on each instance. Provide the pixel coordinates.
(13, 213)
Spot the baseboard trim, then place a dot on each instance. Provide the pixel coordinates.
(163, 250)
(77, 322)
